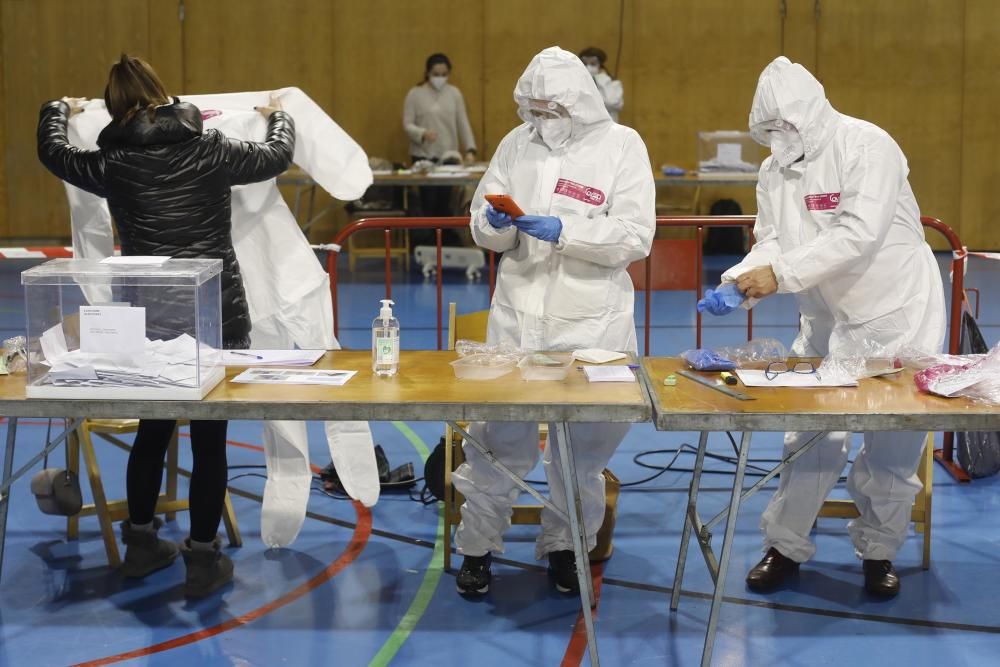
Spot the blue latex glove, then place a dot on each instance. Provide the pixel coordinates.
(722, 300)
(707, 360)
(497, 219)
(542, 227)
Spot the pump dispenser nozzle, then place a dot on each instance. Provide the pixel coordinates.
(386, 312)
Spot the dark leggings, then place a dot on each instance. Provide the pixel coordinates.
(209, 473)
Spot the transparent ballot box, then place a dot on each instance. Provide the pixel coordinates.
(123, 330)
(729, 152)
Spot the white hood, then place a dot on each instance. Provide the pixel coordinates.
(786, 91)
(559, 76)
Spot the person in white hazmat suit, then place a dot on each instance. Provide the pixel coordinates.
(586, 186)
(838, 226)
(287, 290)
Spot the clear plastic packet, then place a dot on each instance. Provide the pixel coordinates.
(977, 378)
(757, 353)
(15, 354)
(468, 348)
(707, 360)
(850, 363)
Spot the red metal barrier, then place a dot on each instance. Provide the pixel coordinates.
(945, 456)
(698, 223)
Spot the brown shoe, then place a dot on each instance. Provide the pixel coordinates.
(771, 572)
(881, 578)
(207, 571)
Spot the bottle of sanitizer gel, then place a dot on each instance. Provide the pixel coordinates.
(385, 341)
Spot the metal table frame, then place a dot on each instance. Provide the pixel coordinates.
(714, 420)
(559, 414)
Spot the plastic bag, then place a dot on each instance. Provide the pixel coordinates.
(468, 348)
(978, 378)
(850, 363)
(758, 353)
(707, 360)
(15, 356)
(978, 451)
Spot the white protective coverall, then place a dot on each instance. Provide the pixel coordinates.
(612, 92)
(567, 295)
(841, 230)
(287, 289)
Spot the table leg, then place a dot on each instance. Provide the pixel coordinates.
(8, 470)
(692, 510)
(727, 547)
(575, 511)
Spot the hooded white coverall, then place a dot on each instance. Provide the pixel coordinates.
(841, 230)
(287, 290)
(558, 296)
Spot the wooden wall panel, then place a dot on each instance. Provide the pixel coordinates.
(899, 65)
(378, 53)
(980, 205)
(696, 69)
(51, 49)
(514, 39)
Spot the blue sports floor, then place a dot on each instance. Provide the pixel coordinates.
(366, 587)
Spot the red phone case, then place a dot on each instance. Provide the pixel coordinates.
(505, 204)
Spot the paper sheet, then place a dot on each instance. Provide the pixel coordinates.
(754, 378)
(112, 329)
(597, 356)
(136, 260)
(271, 357)
(330, 378)
(609, 374)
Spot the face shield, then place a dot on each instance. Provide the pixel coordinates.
(550, 119)
(782, 138)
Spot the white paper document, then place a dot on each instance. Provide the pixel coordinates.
(136, 260)
(329, 378)
(754, 378)
(112, 329)
(157, 364)
(729, 153)
(271, 357)
(609, 374)
(597, 356)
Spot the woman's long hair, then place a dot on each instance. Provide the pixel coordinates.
(132, 87)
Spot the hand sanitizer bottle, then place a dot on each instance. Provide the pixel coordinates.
(385, 341)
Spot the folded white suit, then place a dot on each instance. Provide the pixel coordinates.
(287, 289)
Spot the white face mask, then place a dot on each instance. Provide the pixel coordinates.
(554, 131)
(787, 146)
(594, 69)
(438, 81)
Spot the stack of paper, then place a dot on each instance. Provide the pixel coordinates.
(271, 357)
(752, 378)
(609, 374)
(158, 363)
(291, 376)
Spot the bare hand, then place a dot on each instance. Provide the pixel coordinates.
(758, 283)
(75, 104)
(274, 104)
(430, 136)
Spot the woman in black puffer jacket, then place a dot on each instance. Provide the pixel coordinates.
(168, 189)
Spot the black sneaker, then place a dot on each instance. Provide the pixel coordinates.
(474, 577)
(562, 569)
